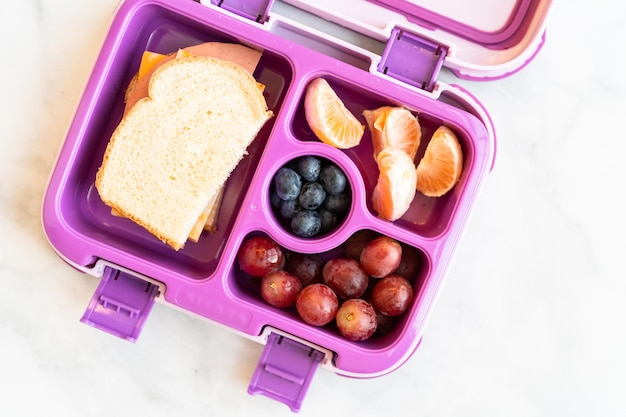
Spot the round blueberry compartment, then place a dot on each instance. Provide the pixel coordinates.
(310, 196)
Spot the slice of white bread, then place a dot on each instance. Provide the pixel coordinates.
(247, 57)
(172, 152)
(208, 219)
(242, 55)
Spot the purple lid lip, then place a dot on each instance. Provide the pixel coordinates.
(256, 10)
(513, 30)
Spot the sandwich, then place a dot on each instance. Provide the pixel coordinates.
(137, 89)
(168, 159)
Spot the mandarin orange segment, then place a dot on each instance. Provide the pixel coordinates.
(329, 118)
(441, 167)
(394, 127)
(395, 188)
(375, 120)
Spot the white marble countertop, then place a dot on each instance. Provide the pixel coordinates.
(530, 321)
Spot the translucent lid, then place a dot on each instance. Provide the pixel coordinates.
(484, 38)
(492, 23)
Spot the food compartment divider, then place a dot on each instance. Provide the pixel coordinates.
(435, 240)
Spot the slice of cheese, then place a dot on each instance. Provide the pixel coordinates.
(149, 62)
(208, 219)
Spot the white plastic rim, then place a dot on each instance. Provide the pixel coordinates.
(466, 58)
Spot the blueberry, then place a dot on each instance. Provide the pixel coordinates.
(333, 179)
(328, 220)
(312, 195)
(309, 167)
(288, 183)
(275, 200)
(289, 208)
(338, 203)
(306, 223)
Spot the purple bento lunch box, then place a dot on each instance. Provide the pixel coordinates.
(382, 53)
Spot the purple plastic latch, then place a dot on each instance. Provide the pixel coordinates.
(412, 59)
(285, 371)
(121, 304)
(257, 10)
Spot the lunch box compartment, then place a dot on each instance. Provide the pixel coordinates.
(427, 216)
(246, 289)
(274, 216)
(85, 214)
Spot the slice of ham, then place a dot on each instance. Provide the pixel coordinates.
(247, 57)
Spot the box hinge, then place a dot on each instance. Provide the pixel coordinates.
(256, 10)
(285, 371)
(412, 59)
(121, 304)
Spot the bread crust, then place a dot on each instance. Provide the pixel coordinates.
(244, 56)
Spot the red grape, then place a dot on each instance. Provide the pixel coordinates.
(280, 289)
(346, 277)
(315, 283)
(259, 256)
(317, 304)
(356, 320)
(307, 267)
(410, 263)
(354, 245)
(381, 256)
(385, 324)
(392, 295)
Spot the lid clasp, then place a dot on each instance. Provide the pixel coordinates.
(120, 304)
(285, 371)
(412, 59)
(255, 10)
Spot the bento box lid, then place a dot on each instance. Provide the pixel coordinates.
(487, 38)
(480, 39)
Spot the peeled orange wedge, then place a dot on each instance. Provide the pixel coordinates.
(329, 118)
(395, 188)
(394, 127)
(440, 168)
